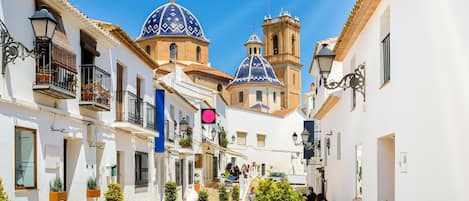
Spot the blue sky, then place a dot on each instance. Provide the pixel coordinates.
(228, 23)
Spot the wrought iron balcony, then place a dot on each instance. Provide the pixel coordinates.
(55, 81)
(134, 109)
(150, 120)
(95, 85)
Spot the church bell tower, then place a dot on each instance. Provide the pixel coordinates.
(282, 50)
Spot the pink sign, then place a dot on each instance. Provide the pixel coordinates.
(208, 116)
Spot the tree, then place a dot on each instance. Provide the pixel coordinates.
(3, 194)
(276, 191)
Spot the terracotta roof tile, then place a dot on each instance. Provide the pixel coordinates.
(207, 70)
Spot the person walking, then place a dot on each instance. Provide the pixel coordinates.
(311, 195)
(252, 194)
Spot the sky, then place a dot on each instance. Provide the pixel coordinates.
(229, 23)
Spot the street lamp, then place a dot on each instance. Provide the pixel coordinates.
(183, 125)
(214, 133)
(304, 140)
(43, 24)
(233, 138)
(354, 80)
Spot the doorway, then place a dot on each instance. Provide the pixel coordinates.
(119, 94)
(386, 168)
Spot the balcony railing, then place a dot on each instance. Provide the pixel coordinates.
(55, 73)
(56, 81)
(134, 109)
(150, 120)
(95, 85)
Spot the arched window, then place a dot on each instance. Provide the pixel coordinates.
(255, 50)
(173, 51)
(275, 41)
(250, 51)
(293, 40)
(198, 53)
(148, 49)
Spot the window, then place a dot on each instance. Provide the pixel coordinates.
(141, 169)
(255, 50)
(191, 172)
(358, 172)
(258, 95)
(293, 44)
(178, 173)
(198, 160)
(173, 51)
(385, 48)
(294, 79)
(275, 41)
(171, 112)
(260, 140)
(241, 138)
(275, 97)
(241, 97)
(148, 49)
(25, 158)
(198, 53)
(250, 51)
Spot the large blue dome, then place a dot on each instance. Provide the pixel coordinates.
(172, 19)
(255, 69)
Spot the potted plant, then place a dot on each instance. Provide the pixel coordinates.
(44, 75)
(3, 194)
(185, 142)
(197, 182)
(235, 193)
(92, 191)
(114, 192)
(87, 91)
(56, 190)
(170, 191)
(203, 196)
(222, 193)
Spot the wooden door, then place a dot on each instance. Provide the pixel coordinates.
(119, 94)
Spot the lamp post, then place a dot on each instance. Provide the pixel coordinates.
(43, 24)
(354, 80)
(183, 125)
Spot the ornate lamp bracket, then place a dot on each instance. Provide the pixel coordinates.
(355, 81)
(11, 49)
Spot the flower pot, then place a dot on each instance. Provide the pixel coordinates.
(88, 95)
(197, 187)
(44, 78)
(57, 196)
(93, 193)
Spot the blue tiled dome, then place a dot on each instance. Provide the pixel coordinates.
(255, 69)
(172, 19)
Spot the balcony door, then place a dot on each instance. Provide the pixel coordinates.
(139, 101)
(119, 94)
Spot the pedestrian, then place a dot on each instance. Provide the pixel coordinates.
(311, 195)
(252, 194)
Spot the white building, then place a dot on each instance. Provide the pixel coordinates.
(84, 111)
(406, 140)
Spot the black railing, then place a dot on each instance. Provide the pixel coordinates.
(57, 76)
(95, 84)
(134, 109)
(150, 116)
(386, 45)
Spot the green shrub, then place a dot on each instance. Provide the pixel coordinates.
(3, 194)
(56, 185)
(92, 184)
(235, 193)
(203, 196)
(268, 190)
(185, 142)
(222, 194)
(114, 192)
(170, 191)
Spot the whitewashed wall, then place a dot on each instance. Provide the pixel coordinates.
(424, 105)
(279, 147)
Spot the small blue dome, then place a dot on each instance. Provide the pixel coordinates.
(255, 69)
(172, 19)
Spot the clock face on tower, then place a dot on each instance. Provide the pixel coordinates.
(209, 116)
